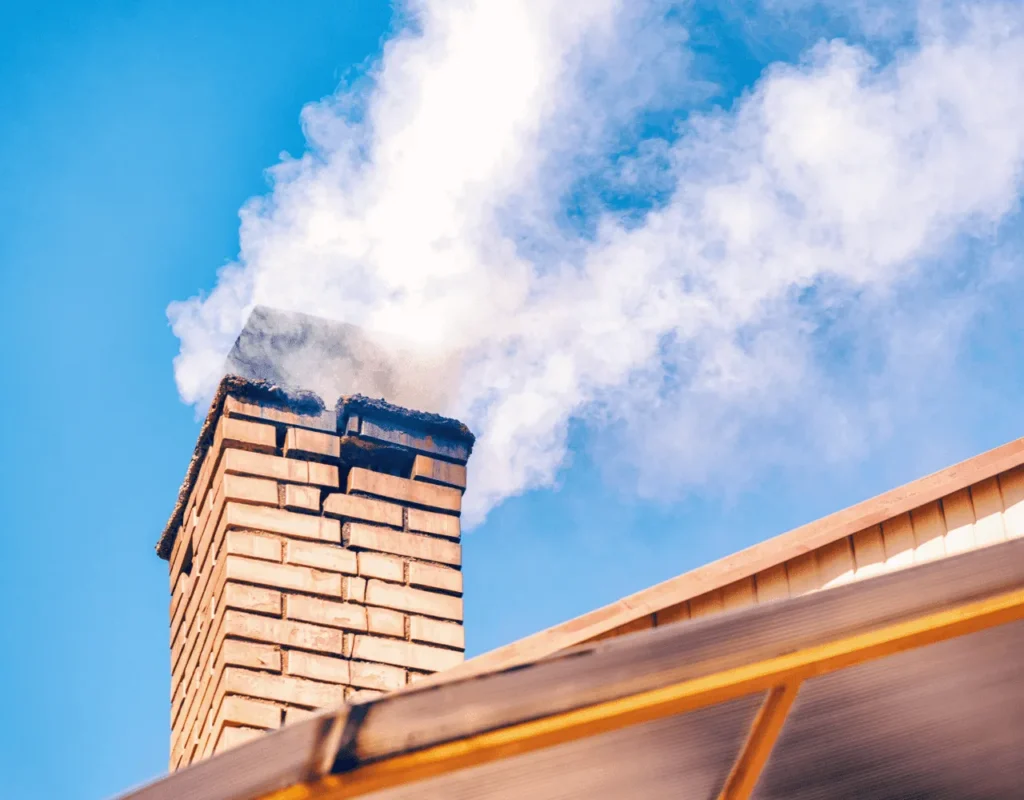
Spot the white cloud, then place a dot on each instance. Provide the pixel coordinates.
(752, 314)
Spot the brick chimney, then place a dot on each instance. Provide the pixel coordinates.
(314, 559)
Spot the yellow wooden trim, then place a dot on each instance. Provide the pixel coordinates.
(763, 734)
(655, 704)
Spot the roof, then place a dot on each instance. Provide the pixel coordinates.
(847, 691)
(746, 562)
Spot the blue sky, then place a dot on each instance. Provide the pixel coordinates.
(131, 135)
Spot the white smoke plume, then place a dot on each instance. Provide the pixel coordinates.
(732, 289)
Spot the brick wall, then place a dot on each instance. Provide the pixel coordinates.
(314, 559)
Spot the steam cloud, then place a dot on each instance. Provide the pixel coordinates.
(731, 289)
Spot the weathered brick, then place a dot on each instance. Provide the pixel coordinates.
(244, 434)
(378, 565)
(283, 576)
(365, 508)
(182, 546)
(179, 599)
(329, 557)
(231, 737)
(434, 631)
(304, 497)
(283, 688)
(250, 654)
(403, 489)
(431, 576)
(317, 667)
(431, 522)
(252, 598)
(323, 474)
(243, 543)
(432, 444)
(371, 537)
(385, 621)
(325, 612)
(276, 520)
(245, 489)
(376, 676)
(303, 442)
(239, 408)
(251, 713)
(284, 632)
(425, 468)
(243, 462)
(355, 589)
(404, 654)
(417, 601)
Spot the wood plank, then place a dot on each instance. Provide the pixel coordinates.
(988, 511)
(772, 584)
(835, 563)
(869, 552)
(898, 537)
(929, 533)
(739, 594)
(706, 604)
(959, 514)
(677, 613)
(803, 574)
(1011, 485)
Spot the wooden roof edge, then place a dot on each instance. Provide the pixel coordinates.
(744, 563)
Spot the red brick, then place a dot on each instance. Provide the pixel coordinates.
(243, 462)
(323, 474)
(298, 714)
(386, 622)
(259, 491)
(378, 565)
(252, 598)
(179, 599)
(318, 668)
(244, 434)
(276, 520)
(364, 508)
(283, 576)
(325, 612)
(303, 497)
(434, 631)
(251, 713)
(377, 676)
(431, 576)
(371, 537)
(425, 468)
(328, 557)
(403, 489)
(250, 654)
(231, 738)
(404, 654)
(283, 632)
(283, 688)
(417, 601)
(437, 524)
(355, 589)
(239, 408)
(304, 442)
(243, 543)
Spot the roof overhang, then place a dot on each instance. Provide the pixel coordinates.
(903, 685)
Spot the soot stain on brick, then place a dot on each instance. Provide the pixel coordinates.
(262, 393)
